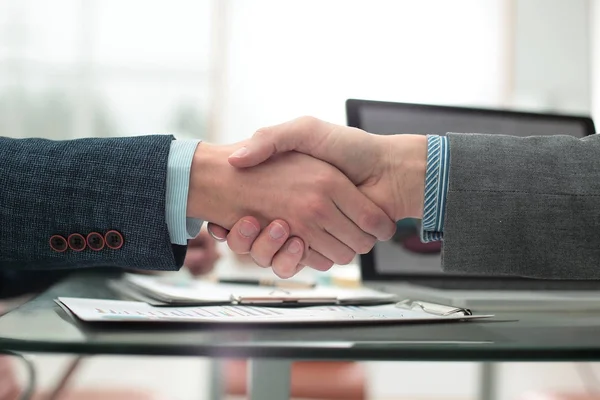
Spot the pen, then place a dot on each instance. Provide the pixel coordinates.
(269, 282)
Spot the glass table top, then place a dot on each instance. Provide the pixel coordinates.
(42, 326)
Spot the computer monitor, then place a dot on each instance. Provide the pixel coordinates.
(405, 257)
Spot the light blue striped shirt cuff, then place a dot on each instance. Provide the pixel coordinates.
(436, 188)
(179, 168)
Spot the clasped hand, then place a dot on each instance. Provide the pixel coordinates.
(290, 210)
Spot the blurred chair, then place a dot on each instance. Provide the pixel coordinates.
(101, 394)
(331, 380)
(590, 391)
(560, 396)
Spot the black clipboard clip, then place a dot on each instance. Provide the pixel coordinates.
(432, 308)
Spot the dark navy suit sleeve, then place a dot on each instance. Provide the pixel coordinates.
(85, 203)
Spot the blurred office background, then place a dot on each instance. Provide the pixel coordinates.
(219, 69)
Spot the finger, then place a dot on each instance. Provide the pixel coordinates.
(301, 134)
(322, 241)
(313, 260)
(347, 232)
(269, 242)
(286, 261)
(243, 234)
(332, 248)
(365, 215)
(316, 260)
(217, 232)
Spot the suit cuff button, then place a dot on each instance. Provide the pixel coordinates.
(114, 240)
(76, 242)
(95, 241)
(58, 243)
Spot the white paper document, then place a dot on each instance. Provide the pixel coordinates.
(97, 310)
(196, 292)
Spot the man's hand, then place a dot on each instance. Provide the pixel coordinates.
(388, 169)
(283, 254)
(320, 205)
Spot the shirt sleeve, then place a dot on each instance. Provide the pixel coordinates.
(436, 188)
(179, 167)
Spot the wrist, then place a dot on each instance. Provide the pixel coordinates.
(207, 180)
(407, 164)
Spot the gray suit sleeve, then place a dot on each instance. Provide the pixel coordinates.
(83, 186)
(523, 206)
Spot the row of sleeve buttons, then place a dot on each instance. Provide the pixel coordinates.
(94, 240)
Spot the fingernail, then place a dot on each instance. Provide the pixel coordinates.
(276, 231)
(248, 229)
(239, 152)
(219, 239)
(294, 247)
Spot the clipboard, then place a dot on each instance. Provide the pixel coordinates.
(433, 308)
(103, 310)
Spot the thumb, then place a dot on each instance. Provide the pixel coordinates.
(254, 152)
(298, 135)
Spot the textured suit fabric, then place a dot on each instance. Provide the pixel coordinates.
(82, 186)
(523, 206)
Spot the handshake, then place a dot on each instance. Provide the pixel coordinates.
(307, 192)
